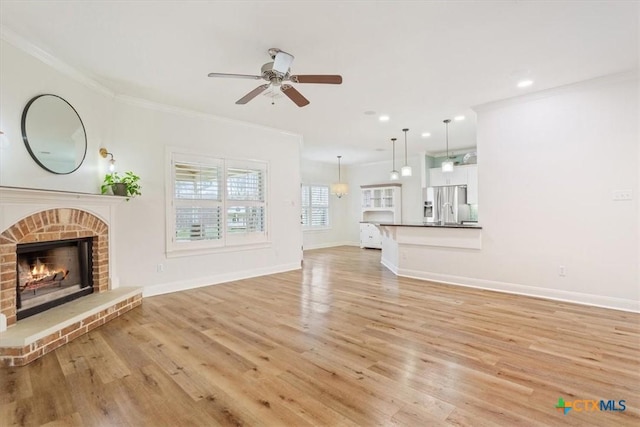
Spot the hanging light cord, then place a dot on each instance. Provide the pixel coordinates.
(393, 140)
(446, 122)
(405, 146)
(339, 178)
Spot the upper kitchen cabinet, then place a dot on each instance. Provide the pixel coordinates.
(461, 175)
(437, 178)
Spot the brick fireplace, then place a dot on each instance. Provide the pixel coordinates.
(48, 216)
(48, 226)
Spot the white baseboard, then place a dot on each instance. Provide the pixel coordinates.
(329, 245)
(390, 266)
(532, 291)
(165, 288)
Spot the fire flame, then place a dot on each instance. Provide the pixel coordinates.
(40, 271)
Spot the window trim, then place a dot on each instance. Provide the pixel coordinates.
(174, 248)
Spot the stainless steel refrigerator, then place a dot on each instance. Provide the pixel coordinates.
(446, 205)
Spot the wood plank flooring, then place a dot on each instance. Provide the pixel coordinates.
(342, 342)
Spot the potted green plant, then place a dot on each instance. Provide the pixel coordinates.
(126, 185)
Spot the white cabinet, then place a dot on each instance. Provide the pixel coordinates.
(370, 236)
(461, 175)
(458, 176)
(380, 204)
(472, 184)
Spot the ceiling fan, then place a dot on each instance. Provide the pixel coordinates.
(278, 72)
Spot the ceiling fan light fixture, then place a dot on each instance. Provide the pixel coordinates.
(277, 72)
(339, 188)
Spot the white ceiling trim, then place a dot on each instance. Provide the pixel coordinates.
(41, 54)
(573, 87)
(165, 108)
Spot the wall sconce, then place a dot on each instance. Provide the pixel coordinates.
(112, 162)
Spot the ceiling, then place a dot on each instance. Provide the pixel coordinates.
(418, 62)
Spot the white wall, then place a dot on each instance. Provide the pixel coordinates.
(378, 173)
(549, 163)
(22, 78)
(139, 134)
(318, 173)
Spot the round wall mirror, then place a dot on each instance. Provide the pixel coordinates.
(54, 134)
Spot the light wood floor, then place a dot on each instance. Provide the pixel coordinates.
(342, 342)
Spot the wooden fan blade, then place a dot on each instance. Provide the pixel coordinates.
(235, 76)
(294, 95)
(248, 97)
(318, 78)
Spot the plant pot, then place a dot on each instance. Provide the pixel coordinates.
(119, 189)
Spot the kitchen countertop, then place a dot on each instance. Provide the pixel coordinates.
(429, 224)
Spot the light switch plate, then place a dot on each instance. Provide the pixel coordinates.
(622, 195)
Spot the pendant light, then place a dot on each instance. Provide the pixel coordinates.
(447, 165)
(339, 188)
(394, 175)
(406, 169)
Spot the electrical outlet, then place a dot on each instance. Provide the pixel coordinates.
(160, 268)
(622, 195)
(562, 271)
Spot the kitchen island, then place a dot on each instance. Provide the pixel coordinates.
(404, 245)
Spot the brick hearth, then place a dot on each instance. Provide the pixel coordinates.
(31, 338)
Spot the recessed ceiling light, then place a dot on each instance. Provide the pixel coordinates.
(426, 134)
(525, 83)
(369, 113)
(383, 118)
(458, 118)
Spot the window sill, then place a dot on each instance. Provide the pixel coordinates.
(177, 253)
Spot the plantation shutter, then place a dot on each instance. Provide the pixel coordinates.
(197, 199)
(315, 206)
(246, 201)
(306, 204)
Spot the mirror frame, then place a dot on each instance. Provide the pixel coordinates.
(26, 140)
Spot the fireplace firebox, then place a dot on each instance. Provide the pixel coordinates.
(52, 273)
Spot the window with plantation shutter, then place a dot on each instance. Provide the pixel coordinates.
(245, 201)
(216, 202)
(315, 206)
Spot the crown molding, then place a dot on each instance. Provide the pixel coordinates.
(46, 57)
(165, 108)
(628, 75)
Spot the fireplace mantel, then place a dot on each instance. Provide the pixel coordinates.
(37, 196)
(25, 206)
(36, 215)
